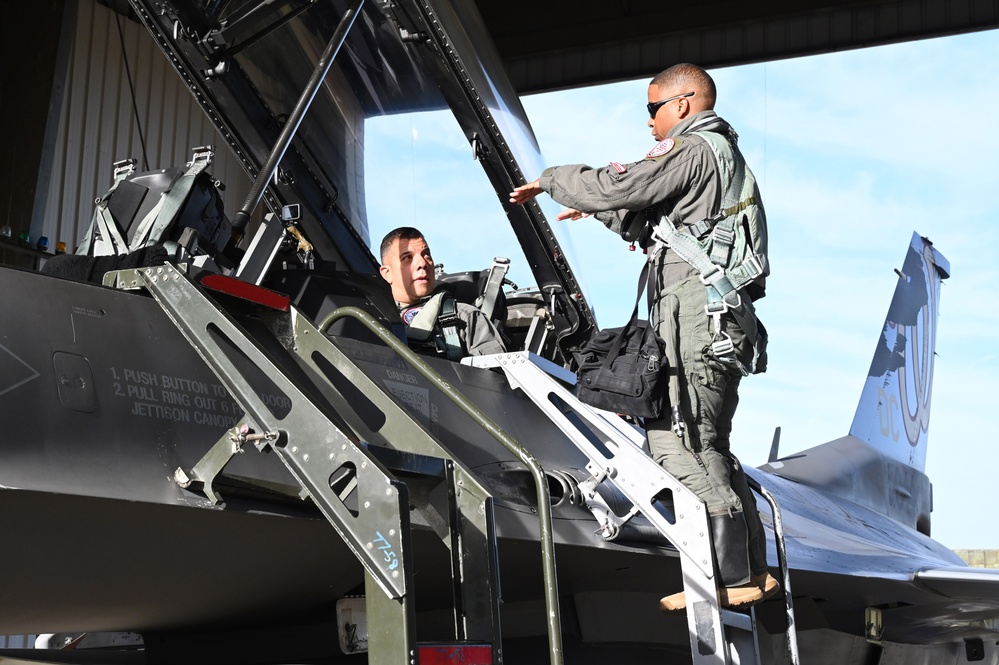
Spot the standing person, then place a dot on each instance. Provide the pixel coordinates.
(433, 318)
(693, 191)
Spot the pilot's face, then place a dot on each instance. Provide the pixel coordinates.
(409, 269)
(669, 114)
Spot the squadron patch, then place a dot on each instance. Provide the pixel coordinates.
(409, 314)
(620, 168)
(662, 148)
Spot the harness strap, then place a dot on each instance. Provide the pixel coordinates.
(102, 222)
(109, 230)
(449, 322)
(722, 284)
(740, 206)
(422, 326)
(702, 228)
(493, 285)
(170, 203)
(723, 233)
(722, 289)
(441, 310)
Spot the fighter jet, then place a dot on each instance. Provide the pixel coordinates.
(232, 455)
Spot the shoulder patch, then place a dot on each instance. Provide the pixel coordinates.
(620, 168)
(409, 314)
(663, 148)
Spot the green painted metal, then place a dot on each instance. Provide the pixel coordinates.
(508, 442)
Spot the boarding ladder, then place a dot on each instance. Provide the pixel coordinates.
(616, 454)
(329, 445)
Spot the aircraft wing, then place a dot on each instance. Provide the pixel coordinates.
(962, 583)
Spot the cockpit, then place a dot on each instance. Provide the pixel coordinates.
(351, 119)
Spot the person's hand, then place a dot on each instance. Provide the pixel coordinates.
(525, 193)
(571, 214)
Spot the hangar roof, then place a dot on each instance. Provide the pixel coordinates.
(556, 44)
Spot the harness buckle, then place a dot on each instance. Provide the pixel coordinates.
(203, 153)
(723, 236)
(711, 277)
(123, 168)
(445, 320)
(716, 307)
(754, 267)
(723, 347)
(702, 228)
(724, 351)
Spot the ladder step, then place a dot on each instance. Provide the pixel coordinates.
(736, 619)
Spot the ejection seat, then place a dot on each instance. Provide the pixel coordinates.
(145, 218)
(180, 208)
(521, 315)
(474, 287)
(318, 293)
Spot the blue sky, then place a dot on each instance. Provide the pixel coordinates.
(853, 151)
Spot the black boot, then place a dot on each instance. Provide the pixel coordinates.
(735, 585)
(731, 543)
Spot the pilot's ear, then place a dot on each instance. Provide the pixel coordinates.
(386, 273)
(683, 109)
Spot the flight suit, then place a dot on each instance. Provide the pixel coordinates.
(680, 176)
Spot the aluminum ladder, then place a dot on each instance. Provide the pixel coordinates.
(615, 450)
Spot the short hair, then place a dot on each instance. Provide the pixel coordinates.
(691, 76)
(403, 233)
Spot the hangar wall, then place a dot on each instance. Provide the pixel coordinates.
(979, 558)
(92, 121)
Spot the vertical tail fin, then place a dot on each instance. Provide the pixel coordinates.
(894, 410)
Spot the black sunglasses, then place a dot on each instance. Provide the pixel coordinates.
(655, 106)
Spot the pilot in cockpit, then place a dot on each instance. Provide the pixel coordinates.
(434, 319)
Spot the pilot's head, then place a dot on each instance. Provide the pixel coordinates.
(407, 265)
(686, 89)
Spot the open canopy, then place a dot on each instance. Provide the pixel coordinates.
(249, 62)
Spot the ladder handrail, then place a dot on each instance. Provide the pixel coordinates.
(508, 442)
(792, 632)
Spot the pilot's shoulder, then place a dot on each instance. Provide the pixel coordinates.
(668, 147)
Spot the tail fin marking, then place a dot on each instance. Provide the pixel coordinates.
(894, 410)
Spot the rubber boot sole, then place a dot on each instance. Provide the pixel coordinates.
(760, 588)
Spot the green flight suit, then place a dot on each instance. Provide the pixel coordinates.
(680, 174)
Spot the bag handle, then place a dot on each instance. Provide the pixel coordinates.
(616, 347)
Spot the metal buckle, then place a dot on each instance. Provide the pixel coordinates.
(716, 307)
(123, 168)
(754, 267)
(721, 235)
(738, 300)
(702, 228)
(445, 320)
(709, 278)
(205, 153)
(723, 346)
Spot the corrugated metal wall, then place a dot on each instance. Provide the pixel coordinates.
(17, 641)
(97, 126)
